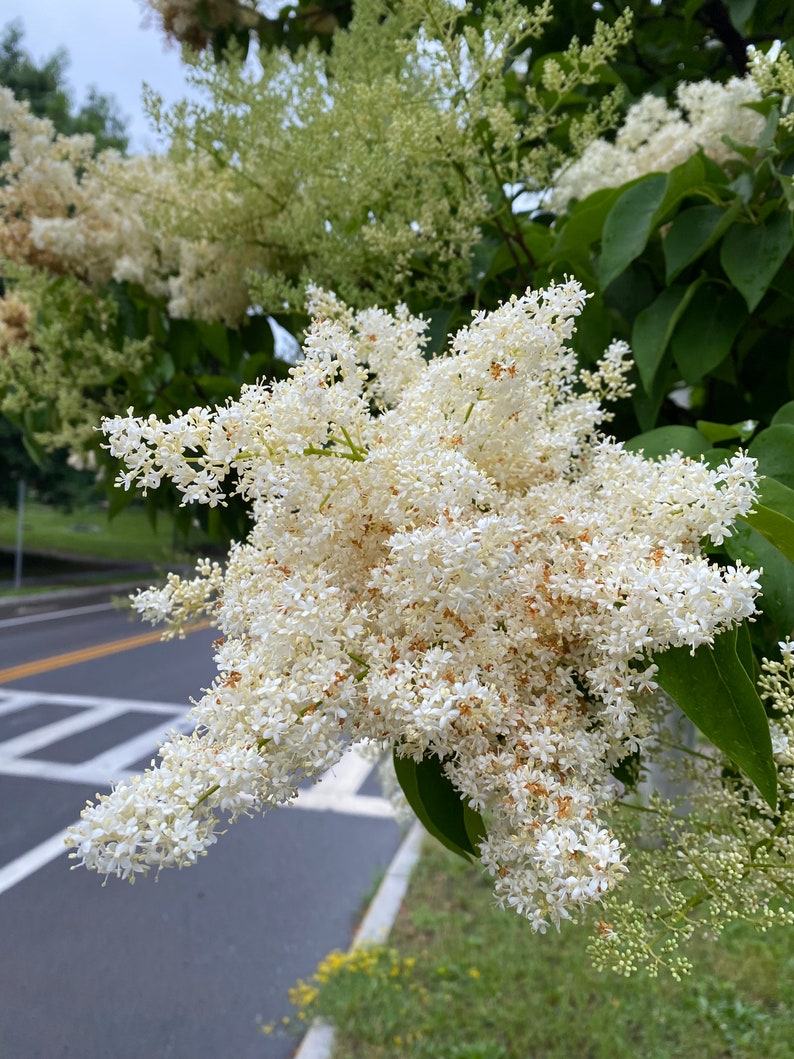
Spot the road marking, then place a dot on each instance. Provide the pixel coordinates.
(86, 654)
(51, 615)
(11, 700)
(335, 791)
(318, 800)
(19, 869)
(114, 763)
(36, 738)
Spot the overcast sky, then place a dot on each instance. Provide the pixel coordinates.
(108, 47)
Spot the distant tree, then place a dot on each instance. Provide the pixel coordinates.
(43, 86)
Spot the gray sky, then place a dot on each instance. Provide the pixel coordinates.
(108, 47)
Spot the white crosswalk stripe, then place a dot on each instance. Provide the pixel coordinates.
(337, 791)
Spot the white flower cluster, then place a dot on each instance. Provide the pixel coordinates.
(473, 572)
(655, 138)
(112, 218)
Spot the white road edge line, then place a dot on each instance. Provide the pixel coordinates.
(381, 914)
(51, 615)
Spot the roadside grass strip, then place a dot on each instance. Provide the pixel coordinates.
(460, 979)
(88, 533)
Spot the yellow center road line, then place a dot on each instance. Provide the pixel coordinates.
(87, 654)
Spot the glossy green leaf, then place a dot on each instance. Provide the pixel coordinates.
(257, 367)
(438, 805)
(214, 337)
(740, 11)
(777, 577)
(787, 185)
(584, 225)
(774, 450)
(784, 415)
(653, 328)
(692, 233)
(705, 333)
(713, 689)
(664, 440)
(751, 254)
(777, 528)
(744, 651)
(773, 515)
(682, 181)
(257, 335)
(717, 432)
(628, 226)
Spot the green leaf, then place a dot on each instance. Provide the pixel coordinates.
(537, 238)
(584, 226)
(183, 343)
(692, 233)
(216, 388)
(628, 226)
(774, 450)
(664, 440)
(778, 529)
(257, 367)
(257, 335)
(705, 333)
(744, 651)
(717, 432)
(787, 185)
(773, 515)
(777, 577)
(683, 180)
(713, 689)
(214, 337)
(438, 805)
(784, 415)
(440, 324)
(640, 209)
(740, 11)
(751, 254)
(653, 328)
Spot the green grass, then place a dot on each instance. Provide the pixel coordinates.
(112, 577)
(87, 533)
(462, 980)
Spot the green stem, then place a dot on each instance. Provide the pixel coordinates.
(206, 795)
(357, 456)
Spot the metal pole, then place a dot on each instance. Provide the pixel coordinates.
(20, 526)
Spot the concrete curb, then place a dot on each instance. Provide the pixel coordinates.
(374, 929)
(68, 596)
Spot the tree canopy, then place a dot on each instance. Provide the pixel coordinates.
(44, 88)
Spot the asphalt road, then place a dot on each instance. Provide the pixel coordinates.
(189, 966)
